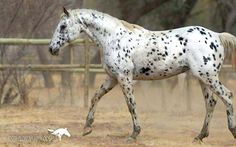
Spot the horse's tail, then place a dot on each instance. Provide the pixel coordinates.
(229, 42)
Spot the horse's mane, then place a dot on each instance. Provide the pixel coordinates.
(130, 26)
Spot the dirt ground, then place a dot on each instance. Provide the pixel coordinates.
(169, 126)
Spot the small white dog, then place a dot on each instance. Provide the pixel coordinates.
(59, 132)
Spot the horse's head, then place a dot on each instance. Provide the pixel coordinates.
(68, 29)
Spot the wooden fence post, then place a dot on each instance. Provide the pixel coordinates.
(188, 89)
(71, 55)
(72, 81)
(86, 73)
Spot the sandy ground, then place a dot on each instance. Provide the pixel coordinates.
(170, 126)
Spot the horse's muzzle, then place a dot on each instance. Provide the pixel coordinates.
(54, 52)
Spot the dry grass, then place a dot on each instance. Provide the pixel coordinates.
(171, 127)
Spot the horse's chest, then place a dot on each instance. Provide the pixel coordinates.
(118, 62)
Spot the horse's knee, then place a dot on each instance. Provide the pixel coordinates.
(211, 104)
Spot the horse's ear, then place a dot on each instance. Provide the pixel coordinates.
(66, 12)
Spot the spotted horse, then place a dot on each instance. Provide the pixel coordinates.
(131, 52)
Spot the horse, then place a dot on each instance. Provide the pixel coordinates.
(131, 52)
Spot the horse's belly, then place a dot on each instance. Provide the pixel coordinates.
(158, 72)
(158, 75)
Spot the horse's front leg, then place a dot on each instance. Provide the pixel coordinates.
(126, 84)
(105, 88)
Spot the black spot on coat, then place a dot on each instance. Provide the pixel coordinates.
(144, 70)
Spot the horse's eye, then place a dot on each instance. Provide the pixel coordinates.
(63, 27)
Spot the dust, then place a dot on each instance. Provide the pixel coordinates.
(163, 110)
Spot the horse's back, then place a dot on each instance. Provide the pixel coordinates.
(176, 51)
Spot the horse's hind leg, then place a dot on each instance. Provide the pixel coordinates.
(210, 103)
(226, 96)
(105, 87)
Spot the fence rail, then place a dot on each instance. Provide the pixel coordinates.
(96, 68)
(20, 41)
(86, 68)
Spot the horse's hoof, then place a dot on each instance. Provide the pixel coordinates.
(131, 140)
(87, 130)
(197, 140)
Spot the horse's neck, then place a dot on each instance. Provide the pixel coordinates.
(100, 27)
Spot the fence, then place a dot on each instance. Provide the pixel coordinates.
(86, 68)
